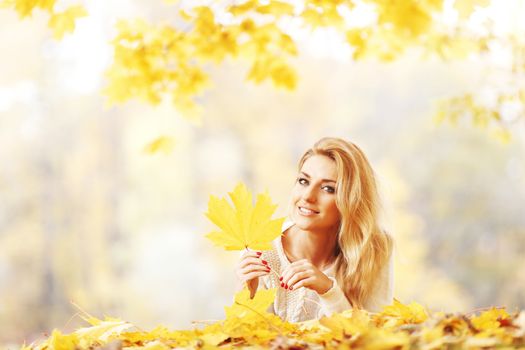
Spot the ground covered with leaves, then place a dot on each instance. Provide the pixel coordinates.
(248, 325)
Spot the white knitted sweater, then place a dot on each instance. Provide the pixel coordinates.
(304, 304)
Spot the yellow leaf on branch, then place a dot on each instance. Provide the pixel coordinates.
(60, 22)
(25, 7)
(243, 225)
(64, 22)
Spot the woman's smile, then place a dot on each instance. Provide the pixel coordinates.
(307, 212)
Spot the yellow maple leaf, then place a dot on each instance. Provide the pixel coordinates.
(99, 330)
(243, 225)
(214, 338)
(248, 309)
(399, 313)
(164, 144)
(102, 330)
(59, 341)
(284, 76)
(341, 325)
(64, 22)
(490, 319)
(382, 339)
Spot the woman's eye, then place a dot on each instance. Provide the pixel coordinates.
(329, 189)
(302, 181)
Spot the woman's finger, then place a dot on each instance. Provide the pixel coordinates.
(304, 282)
(251, 268)
(252, 261)
(251, 253)
(299, 265)
(253, 275)
(289, 272)
(298, 277)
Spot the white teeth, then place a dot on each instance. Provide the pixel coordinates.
(306, 211)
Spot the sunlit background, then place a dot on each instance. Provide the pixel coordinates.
(87, 217)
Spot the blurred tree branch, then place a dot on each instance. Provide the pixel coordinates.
(156, 61)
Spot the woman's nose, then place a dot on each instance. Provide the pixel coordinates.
(309, 194)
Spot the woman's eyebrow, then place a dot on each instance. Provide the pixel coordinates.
(323, 180)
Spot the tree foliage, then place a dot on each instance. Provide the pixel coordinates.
(155, 61)
(60, 22)
(152, 61)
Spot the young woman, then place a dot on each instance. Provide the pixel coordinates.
(332, 254)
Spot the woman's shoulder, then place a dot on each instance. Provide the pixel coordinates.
(286, 225)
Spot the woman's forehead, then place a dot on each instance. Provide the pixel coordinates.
(319, 166)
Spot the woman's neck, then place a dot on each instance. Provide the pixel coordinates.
(316, 246)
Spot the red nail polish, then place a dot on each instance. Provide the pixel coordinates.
(285, 286)
(265, 262)
(291, 288)
(259, 253)
(282, 285)
(280, 278)
(267, 269)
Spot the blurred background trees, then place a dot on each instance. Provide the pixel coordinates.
(88, 215)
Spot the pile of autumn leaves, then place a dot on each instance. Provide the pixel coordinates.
(248, 324)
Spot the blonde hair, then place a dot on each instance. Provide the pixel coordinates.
(363, 247)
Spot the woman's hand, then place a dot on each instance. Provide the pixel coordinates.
(302, 273)
(250, 268)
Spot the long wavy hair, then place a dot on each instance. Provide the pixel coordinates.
(363, 247)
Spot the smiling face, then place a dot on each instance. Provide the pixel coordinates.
(313, 197)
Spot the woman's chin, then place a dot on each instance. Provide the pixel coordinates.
(304, 223)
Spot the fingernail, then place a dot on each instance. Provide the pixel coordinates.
(285, 286)
(291, 288)
(268, 269)
(265, 262)
(259, 253)
(282, 285)
(280, 278)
